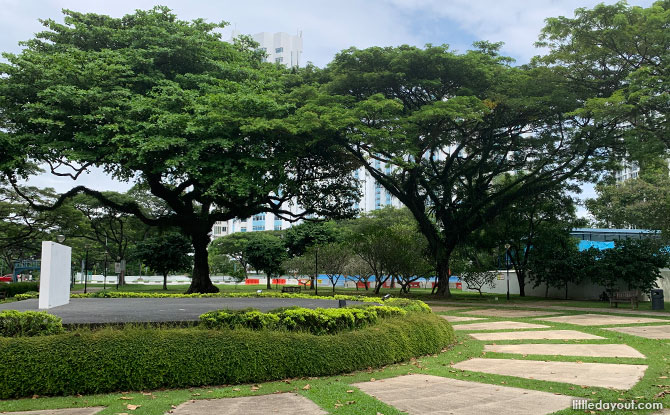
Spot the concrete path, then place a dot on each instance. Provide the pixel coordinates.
(648, 332)
(66, 411)
(605, 375)
(586, 350)
(278, 404)
(499, 325)
(432, 395)
(601, 319)
(544, 306)
(459, 319)
(493, 312)
(128, 310)
(536, 335)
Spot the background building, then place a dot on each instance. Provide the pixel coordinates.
(280, 47)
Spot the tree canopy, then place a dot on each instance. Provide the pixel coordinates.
(437, 128)
(205, 125)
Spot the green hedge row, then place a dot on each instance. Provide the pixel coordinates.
(29, 323)
(319, 321)
(12, 288)
(267, 294)
(142, 359)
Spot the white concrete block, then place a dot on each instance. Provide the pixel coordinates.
(55, 275)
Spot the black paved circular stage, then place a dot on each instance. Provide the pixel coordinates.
(144, 310)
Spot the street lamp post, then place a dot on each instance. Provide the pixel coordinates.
(316, 271)
(86, 268)
(507, 267)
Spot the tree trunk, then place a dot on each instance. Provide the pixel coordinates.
(521, 277)
(443, 277)
(200, 282)
(268, 280)
(165, 281)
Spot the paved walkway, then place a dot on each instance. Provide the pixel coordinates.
(425, 394)
(601, 319)
(586, 350)
(279, 404)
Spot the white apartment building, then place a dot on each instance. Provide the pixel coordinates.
(279, 47)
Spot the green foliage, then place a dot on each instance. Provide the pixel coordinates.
(233, 246)
(266, 252)
(144, 359)
(166, 253)
(308, 234)
(29, 323)
(206, 125)
(618, 54)
(13, 288)
(642, 202)
(27, 295)
(319, 321)
(437, 128)
(634, 263)
(408, 305)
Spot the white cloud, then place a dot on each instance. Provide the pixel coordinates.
(515, 22)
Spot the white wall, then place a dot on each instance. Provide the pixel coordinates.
(583, 291)
(55, 275)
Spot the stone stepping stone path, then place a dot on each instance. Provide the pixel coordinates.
(604, 375)
(426, 394)
(536, 335)
(499, 325)
(601, 320)
(648, 332)
(586, 350)
(67, 411)
(279, 404)
(439, 308)
(459, 319)
(510, 313)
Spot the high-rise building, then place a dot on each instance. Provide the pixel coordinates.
(279, 47)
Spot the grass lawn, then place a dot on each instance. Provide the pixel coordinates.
(336, 395)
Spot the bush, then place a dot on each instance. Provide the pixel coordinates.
(12, 288)
(27, 295)
(29, 323)
(143, 359)
(319, 321)
(408, 305)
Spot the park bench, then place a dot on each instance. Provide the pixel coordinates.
(290, 289)
(625, 297)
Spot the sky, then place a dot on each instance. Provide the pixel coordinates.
(327, 27)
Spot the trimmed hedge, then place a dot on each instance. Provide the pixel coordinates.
(319, 321)
(142, 359)
(29, 323)
(267, 294)
(12, 288)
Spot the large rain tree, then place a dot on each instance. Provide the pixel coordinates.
(205, 125)
(436, 128)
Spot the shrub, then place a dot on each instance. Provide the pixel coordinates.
(408, 305)
(29, 323)
(27, 295)
(319, 321)
(12, 288)
(142, 359)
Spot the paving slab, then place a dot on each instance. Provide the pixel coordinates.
(649, 332)
(601, 319)
(500, 325)
(459, 319)
(433, 395)
(604, 375)
(537, 335)
(497, 312)
(277, 404)
(67, 411)
(438, 308)
(588, 350)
